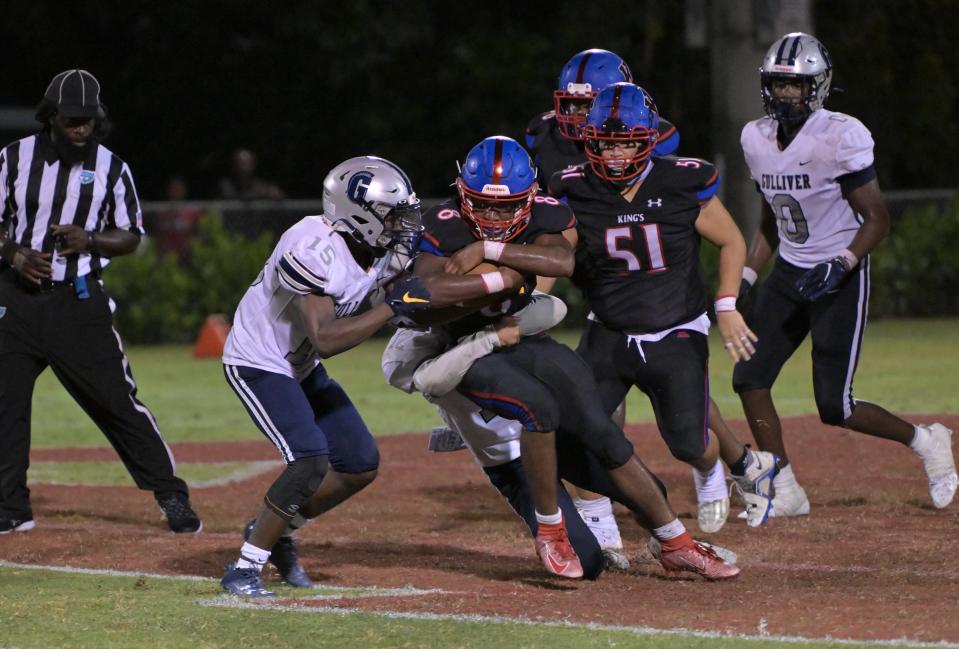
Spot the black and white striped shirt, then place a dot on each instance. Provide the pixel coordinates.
(38, 190)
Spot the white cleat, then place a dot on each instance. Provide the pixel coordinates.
(790, 502)
(933, 444)
(712, 515)
(755, 487)
(610, 542)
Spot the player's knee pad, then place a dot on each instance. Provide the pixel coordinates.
(299, 481)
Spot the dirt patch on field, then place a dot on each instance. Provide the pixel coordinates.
(873, 561)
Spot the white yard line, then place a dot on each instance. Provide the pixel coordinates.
(229, 601)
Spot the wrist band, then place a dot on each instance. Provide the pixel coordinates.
(725, 303)
(494, 282)
(849, 258)
(493, 250)
(750, 275)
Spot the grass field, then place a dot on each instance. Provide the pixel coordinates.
(908, 366)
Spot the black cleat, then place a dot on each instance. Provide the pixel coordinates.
(179, 515)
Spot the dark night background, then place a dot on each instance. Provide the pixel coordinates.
(307, 84)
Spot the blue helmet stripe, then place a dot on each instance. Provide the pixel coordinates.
(794, 51)
(406, 180)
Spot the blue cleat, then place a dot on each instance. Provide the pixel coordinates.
(285, 558)
(244, 582)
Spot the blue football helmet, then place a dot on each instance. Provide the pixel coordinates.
(580, 80)
(623, 120)
(496, 185)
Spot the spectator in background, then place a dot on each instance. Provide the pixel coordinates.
(242, 183)
(177, 225)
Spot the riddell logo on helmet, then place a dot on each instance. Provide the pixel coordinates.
(496, 190)
(783, 68)
(579, 88)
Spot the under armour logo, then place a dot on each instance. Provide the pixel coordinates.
(654, 202)
(356, 188)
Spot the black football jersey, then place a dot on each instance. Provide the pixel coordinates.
(552, 151)
(638, 262)
(445, 232)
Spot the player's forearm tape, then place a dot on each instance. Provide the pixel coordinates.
(542, 313)
(441, 375)
(849, 258)
(725, 303)
(750, 275)
(494, 282)
(493, 250)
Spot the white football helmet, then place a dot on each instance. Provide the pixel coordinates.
(796, 56)
(372, 200)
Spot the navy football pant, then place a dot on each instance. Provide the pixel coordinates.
(782, 319)
(312, 417)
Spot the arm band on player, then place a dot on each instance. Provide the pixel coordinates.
(750, 275)
(493, 250)
(440, 376)
(494, 282)
(542, 313)
(849, 258)
(725, 303)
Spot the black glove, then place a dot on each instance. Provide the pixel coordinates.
(408, 295)
(821, 279)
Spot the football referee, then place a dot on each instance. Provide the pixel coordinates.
(69, 206)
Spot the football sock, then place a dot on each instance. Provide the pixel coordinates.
(919, 439)
(786, 478)
(710, 485)
(252, 557)
(673, 536)
(550, 519)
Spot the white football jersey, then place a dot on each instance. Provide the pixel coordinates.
(800, 183)
(311, 257)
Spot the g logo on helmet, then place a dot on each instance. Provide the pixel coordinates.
(357, 187)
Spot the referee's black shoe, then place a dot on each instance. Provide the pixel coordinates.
(8, 525)
(179, 515)
(284, 557)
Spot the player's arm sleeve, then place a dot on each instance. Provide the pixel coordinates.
(297, 274)
(127, 214)
(406, 351)
(542, 313)
(854, 158)
(438, 376)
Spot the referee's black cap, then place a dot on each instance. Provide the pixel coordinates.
(75, 93)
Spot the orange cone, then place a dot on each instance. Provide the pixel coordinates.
(209, 343)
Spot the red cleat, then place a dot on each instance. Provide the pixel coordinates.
(700, 559)
(552, 545)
